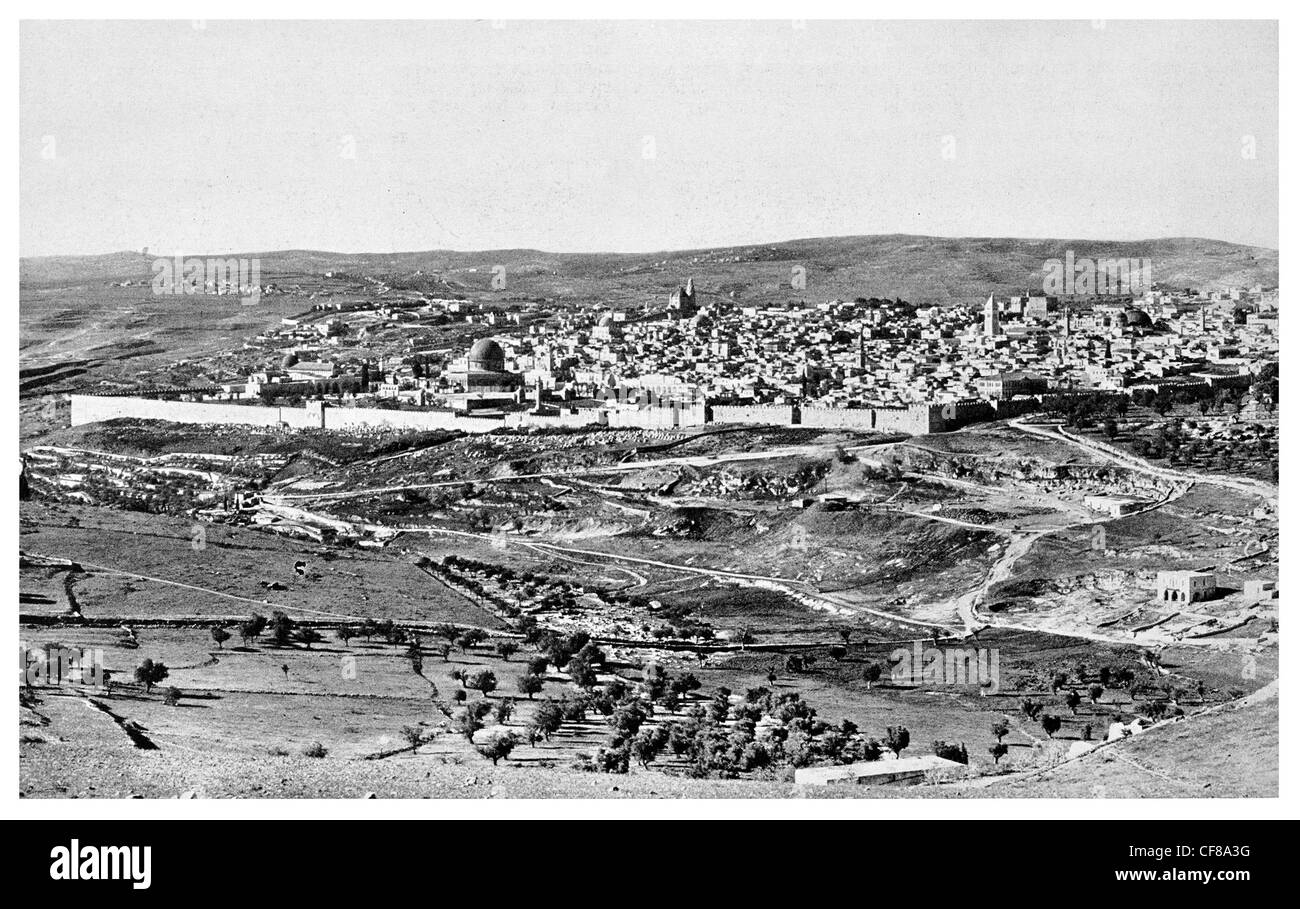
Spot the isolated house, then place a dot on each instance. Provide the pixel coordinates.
(1118, 730)
(1115, 506)
(1184, 586)
(1259, 589)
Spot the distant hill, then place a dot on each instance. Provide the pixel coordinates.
(919, 269)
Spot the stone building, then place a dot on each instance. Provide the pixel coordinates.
(1185, 586)
(484, 369)
(1009, 384)
(682, 300)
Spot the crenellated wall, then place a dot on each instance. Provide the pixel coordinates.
(377, 418)
(657, 417)
(864, 418)
(916, 419)
(95, 408)
(768, 414)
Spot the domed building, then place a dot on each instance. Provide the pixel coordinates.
(486, 355)
(484, 369)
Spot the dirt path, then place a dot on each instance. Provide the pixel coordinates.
(794, 589)
(1132, 462)
(640, 579)
(683, 461)
(955, 522)
(1269, 691)
(967, 605)
(210, 591)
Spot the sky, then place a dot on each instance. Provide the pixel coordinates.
(209, 137)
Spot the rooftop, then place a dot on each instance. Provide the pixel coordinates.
(867, 770)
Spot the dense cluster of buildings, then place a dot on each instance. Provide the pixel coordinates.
(877, 353)
(697, 353)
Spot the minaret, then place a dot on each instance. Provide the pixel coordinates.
(862, 348)
(992, 328)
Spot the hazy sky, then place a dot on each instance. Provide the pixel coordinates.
(358, 136)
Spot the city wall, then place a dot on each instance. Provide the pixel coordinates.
(567, 418)
(657, 417)
(94, 408)
(916, 419)
(650, 417)
(768, 414)
(377, 418)
(863, 419)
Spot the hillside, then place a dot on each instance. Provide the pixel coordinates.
(920, 269)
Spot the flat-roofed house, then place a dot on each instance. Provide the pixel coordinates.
(308, 370)
(1009, 384)
(1184, 586)
(874, 773)
(1115, 506)
(1260, 589)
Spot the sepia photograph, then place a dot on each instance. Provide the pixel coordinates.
(808, 411)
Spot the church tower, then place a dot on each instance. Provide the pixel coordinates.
(682, 300)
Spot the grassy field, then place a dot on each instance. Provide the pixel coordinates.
(147, 565)
(1232, 753)
(662, 538)
(243, 723)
